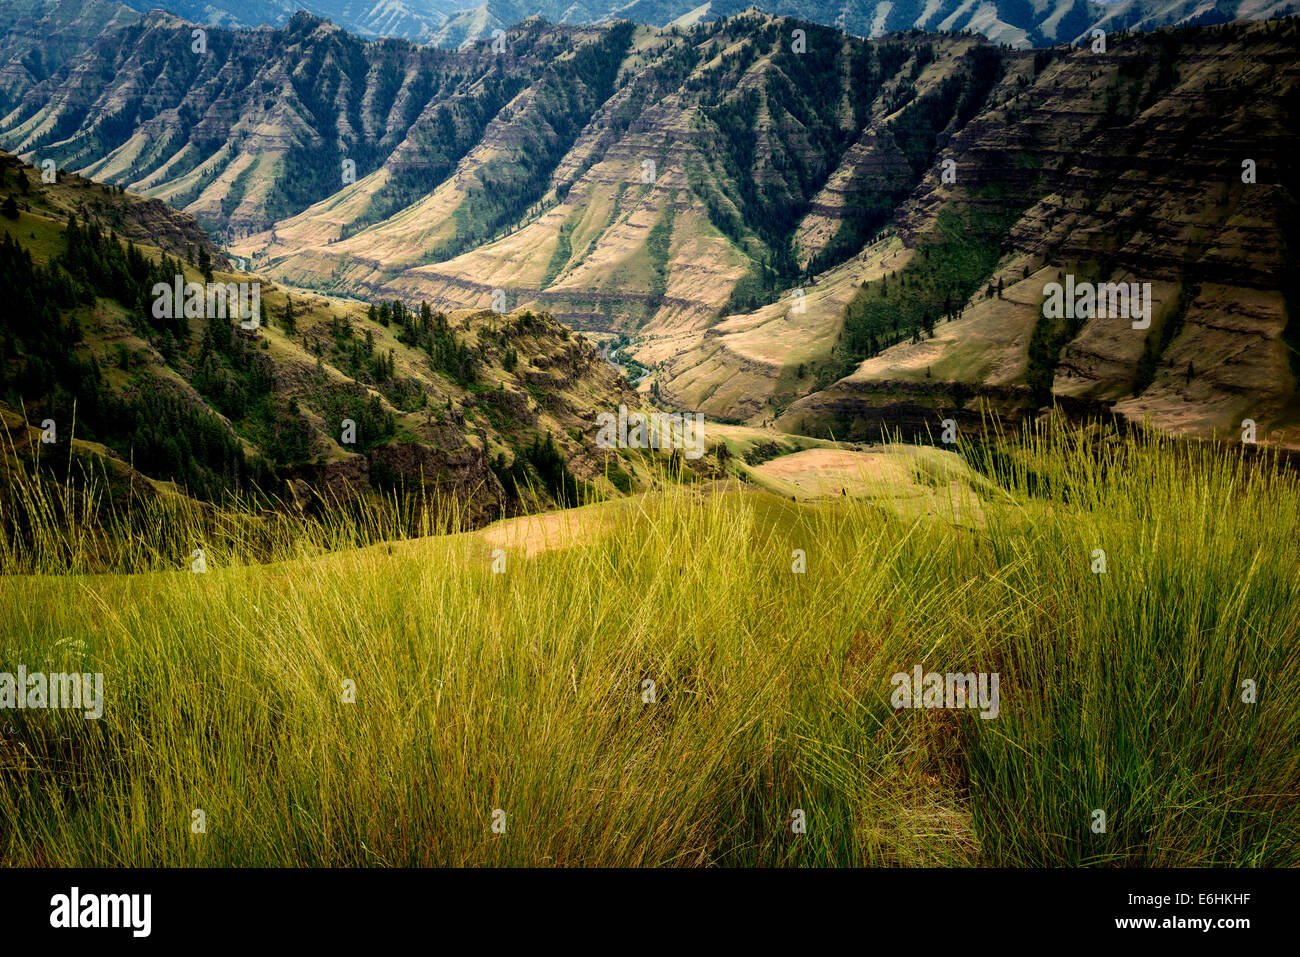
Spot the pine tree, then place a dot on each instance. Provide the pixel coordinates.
(289, 320)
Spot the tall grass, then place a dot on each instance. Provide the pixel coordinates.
(74, 517)
(524, 691)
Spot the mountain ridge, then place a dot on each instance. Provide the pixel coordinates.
(447, 23)
(778, 255)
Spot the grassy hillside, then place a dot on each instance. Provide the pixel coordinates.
(490, 407)
(476, 692)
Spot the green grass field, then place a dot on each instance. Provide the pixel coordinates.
(524, 692)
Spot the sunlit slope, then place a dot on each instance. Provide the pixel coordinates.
(685, 671)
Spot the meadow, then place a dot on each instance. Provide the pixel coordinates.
(650, 682)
